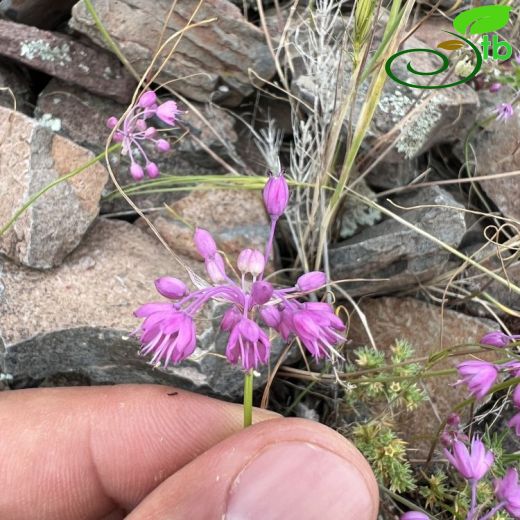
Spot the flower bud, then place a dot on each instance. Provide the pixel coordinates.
(118, 137)
(516, 396)
(136, 171)
(216, 269)
(167, 112)
(495, 87)
(152, 170)
(230, 319)
(276, 195)
(162, 145)
(204, 243)
(271, 316)
(141, 125)
(112, 122)
(453, 420)
(150, 132)
(495, 338)
(147, 99)
(261, 292)
(171, 287)
(309, 282)
(251, 261)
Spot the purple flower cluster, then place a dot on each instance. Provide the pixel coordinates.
(480, 376)
(253, 304)
(136, 130)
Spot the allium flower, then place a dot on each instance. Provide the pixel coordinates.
(165, 331)
(452, 431)
(516, 396)
(514, 423)
(507, 491)
(504, 111)
(414, 515)
(495, 87)
(276, 194)
(168, 330)
(249, 344)
(495, 338)
(474, 464)
(135, 131)
(479, 376)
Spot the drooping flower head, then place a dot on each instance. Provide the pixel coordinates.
(135, 132)
(472, 464)
(249, 344)
(507, 490)
(479, 376)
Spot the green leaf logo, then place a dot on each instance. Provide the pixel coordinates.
(480, 20)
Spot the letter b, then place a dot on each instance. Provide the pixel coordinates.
(497, 45)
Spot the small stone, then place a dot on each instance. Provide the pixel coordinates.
(430, 330)
(63, 57)
(206, 58)
(76, 322)
(31, 157)
(236, 219)
(397, 254)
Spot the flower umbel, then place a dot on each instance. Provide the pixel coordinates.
(168, 329)
(136, 130)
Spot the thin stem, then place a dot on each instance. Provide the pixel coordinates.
(472, 509)
(248, 399)
(269, 245)
(493, 512)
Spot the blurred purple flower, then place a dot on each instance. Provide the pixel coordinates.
(471, 464)
(514, 423)
(495, 87)
(479, 376)
(507, 491)
(414, 515)
(504, 111)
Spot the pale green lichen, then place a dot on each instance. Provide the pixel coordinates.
(50, 122)
(44, 51)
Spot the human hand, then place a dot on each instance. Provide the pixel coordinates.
(151, 452)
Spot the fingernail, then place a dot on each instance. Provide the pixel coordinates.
(298, 480)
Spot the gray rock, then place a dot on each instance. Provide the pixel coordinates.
(64, 57)
(387, 176)
(18, 82)
(210, 62)
(75, 322)
(496, 150)
(31, 157)
(396, 253)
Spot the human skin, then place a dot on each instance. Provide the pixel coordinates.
(153, 452)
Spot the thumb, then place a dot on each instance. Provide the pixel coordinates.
(280, 469)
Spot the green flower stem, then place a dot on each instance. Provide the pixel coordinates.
(248, 399)
(33, 198)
